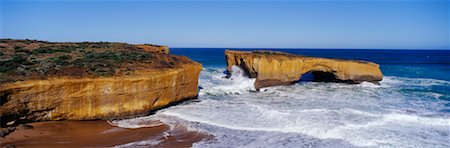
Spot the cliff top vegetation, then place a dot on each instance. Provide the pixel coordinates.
(33, 59)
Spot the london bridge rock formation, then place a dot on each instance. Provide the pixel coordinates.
(82, 81)
(278, 68)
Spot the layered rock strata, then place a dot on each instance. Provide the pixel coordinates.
(278, 68)
(138, 83)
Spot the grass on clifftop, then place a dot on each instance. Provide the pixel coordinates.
(31, 59)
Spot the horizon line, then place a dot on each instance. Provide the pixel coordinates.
(291, 48)
(260, 48)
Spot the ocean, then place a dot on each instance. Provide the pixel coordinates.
(409, 108)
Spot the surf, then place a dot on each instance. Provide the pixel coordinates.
(342, 114)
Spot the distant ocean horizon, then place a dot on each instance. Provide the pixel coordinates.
(396, 62)
(409, 108)
(289, 48)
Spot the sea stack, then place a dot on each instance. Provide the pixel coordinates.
(272, 68)
(42, 80)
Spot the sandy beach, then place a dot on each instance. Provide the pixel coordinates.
(99, 134)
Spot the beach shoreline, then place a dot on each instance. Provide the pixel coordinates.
(99, 134)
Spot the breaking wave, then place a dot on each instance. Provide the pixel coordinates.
(400, 112)
(213, 82)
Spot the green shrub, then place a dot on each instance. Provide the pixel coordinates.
(15, 62)
(50, 50)
(44, 50)
(103, 69)
(138, 56)
(100, 45)
(103, 56)
(68, 48)
(19, 49)
(61, 60)
(18, 59)
(83, 45)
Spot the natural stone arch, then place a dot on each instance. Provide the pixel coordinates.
(319, 76)
(323, 73)
(279, 68)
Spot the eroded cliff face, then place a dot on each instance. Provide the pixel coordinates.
(42, 80)
(97, 98)
(279, 68)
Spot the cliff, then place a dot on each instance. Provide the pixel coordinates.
(99, 82)
(278, 68)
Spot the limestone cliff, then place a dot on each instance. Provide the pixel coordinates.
(278, 68)
(137, 82)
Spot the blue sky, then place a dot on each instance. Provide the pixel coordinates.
(250, 24)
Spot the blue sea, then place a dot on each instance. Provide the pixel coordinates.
(409, 108)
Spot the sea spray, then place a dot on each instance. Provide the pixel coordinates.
(315, 114)
(217, 84)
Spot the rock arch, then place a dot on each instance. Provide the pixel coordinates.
(279, 68)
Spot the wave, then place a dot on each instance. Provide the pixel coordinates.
(145, 143)
(393, 80)
(135, 123)
(214, 82)
(386, 130)
(313, 114)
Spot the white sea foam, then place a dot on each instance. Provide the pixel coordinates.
(135, 123)
(112, 130)
(214, 83)
(413, 81)
(144, 143)
(311, 114)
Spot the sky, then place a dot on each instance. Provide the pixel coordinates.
(364, 24)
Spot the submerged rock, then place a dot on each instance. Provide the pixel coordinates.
(91, 81)
(272, 68)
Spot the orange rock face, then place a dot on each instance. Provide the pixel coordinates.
(41, 80)
(98, 98)
(279, 68)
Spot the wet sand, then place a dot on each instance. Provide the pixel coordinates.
(99, 134)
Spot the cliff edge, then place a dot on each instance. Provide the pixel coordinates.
(272, 68)
(42, 80)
